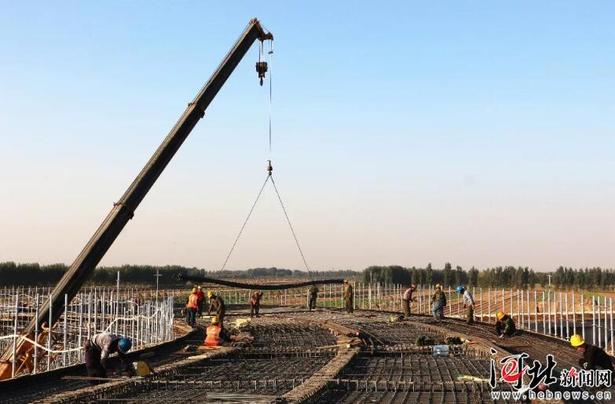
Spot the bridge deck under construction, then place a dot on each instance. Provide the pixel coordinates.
(320, 356)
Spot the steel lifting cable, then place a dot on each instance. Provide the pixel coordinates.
(243, 226)
(292, 230)
(270, 91)
(269, 176)
(290, 225)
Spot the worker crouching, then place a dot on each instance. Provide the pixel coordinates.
(97, 351)
(216, 305)
(216, 334)
(593, 357)
(505, 325)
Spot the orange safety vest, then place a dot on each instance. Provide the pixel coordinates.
(213, 336)
(193, 301)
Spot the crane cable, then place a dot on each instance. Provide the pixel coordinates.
(270, 90)
(292, 230)
(290, 225)
(243, 226)
(269, 177)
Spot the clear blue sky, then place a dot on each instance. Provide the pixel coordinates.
(404, 133)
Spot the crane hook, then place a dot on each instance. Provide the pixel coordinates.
(261, 69)
(269, 168)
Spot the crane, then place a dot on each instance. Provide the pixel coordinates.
(123, 210)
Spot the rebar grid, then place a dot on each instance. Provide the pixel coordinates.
(536, 346)
(279, 363)
(289, 335)
(234, 374)
(418, 368)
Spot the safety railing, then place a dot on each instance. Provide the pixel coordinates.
(144, 317)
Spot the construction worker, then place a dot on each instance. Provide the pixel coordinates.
(438, 301)
(313, 293)
(201, 301)
(216, 304)
(192, 306)
(407, 299)
(216, 334)
(468, 303)
(348, 296)
(593, 357)
(505, 325)
(98, 349)
(255, 303)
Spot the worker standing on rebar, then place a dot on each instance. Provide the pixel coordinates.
(348, 297)
(192, 306)
(438, 301)
(407, 299)
(593, 357)
(313, 293)
(468, 303)
(97, 351)
(201, 300)
(505, 325)
(216, 304)
(255, 303)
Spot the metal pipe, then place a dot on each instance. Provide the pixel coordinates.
(49, 335)
(528, 309)
(574, 314)
(606, 340)
(520, 308)
(593, 320)
(583, 314)
(64, 340)
(15, 334)
(34, 370)
(567, 321)
(482, 303)
(544, 312)
(489, 315)
(612, 343)
(560, 311)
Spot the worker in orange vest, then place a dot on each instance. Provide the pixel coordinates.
(192, 307)
(216, 334)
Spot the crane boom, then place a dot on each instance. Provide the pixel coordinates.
(123, 210)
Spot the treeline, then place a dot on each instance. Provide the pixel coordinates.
(515, 277)
(35, 274)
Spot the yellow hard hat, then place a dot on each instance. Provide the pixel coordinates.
(215, 320)
(210, 294)
(193, 290)
(438, 286)
(576, 340)
(500, 315)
